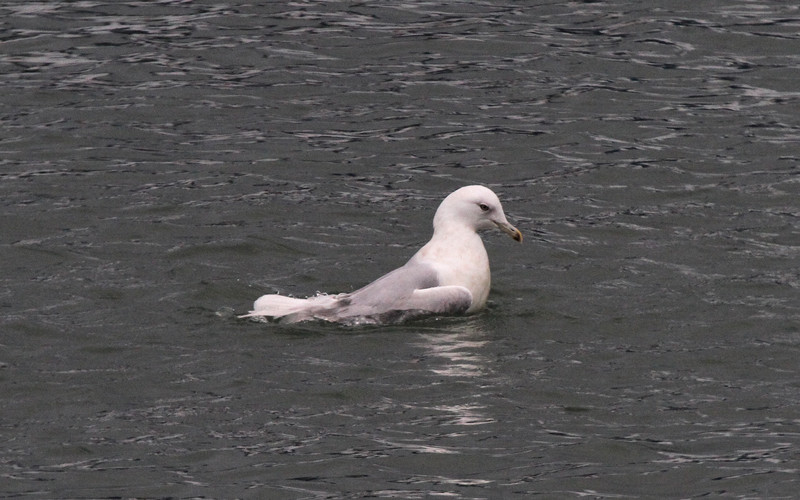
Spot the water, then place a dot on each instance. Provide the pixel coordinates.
(165, 163)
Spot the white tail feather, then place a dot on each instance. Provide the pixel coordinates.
(277, 306)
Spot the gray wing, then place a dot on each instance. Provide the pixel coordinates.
(411, 288)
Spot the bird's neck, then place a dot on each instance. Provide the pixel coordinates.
(453, 231)
(450, 237)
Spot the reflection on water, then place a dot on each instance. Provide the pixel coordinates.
(455, 354)
(458, 352)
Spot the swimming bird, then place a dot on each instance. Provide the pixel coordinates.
(449, 275)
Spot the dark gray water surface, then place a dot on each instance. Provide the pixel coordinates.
(165, 163)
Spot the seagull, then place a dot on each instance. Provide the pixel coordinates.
(448, 276)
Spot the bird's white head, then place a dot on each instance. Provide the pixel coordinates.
(476, 207)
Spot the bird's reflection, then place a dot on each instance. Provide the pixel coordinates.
(458, 353)
(457, 350)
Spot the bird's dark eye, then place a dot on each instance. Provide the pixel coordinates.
(484, 207)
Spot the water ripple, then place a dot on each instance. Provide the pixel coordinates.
(165, 162)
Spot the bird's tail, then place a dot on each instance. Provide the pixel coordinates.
(279, 306)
